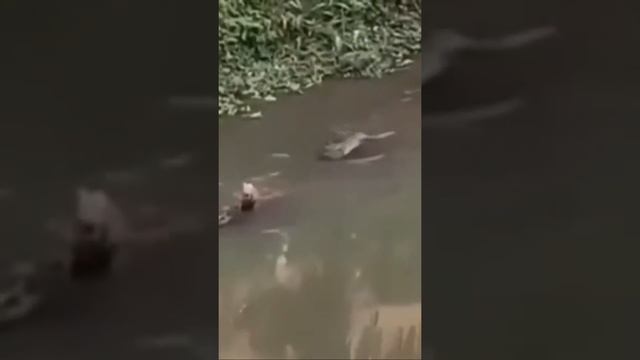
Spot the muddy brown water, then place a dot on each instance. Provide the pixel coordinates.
(348, 215)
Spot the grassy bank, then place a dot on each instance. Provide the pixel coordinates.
(271, 47)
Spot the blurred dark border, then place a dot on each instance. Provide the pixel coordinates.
(530, 244)
(113, 57)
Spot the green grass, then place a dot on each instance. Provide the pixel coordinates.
(272, 47)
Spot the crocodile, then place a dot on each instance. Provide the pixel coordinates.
(346, 141)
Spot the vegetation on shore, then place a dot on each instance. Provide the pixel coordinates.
(271, 47)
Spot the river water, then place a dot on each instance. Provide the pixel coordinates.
(350, 216)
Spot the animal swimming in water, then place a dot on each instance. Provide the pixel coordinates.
(347, 141)
(248, 197)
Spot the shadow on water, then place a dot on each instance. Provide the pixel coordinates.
(84, 93)
(350, 216)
